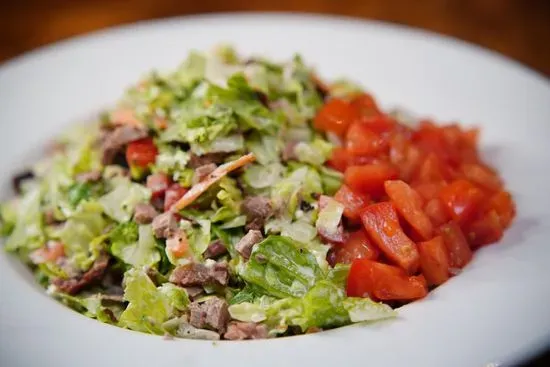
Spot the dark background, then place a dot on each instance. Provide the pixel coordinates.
(518, 29)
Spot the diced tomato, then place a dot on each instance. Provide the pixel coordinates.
(141, 153)
(434, 260)
(504, 206)
(482, 176)
(431, 139)
(335, 116)
(365, 105)
(429, 190)
(382, 125)
(370, 178)
(382, 225)
(485, 229)
(401, 288)
(458, 249)
(435, 210)
(405, 156)
(158, 184)
(173, 194)
(357, 246)
(379, 281)
(461, 199)
(431, 170)
(409, 204)
(360, 140)
(339, 159)
(353, 202)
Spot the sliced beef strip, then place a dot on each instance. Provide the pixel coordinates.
(19, 178)
(94, 274)
(90, 176)
(114, 141)
(198, 275)
(245, 244)
(245, 330)
(203, 171)
(196, 161)
(257, 209)
(164, 224)
(211, 314)
(215, 249)
(145, 213)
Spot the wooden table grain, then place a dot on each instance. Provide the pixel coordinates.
(515, 28)
(518, 29)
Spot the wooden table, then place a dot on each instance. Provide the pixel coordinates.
(518, 29)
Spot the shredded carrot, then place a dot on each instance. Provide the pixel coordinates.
(179, 246)
(211, 179)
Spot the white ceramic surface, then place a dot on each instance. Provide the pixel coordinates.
(495, 312)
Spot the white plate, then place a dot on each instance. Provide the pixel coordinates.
(495, 312)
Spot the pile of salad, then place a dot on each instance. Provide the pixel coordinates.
(244, 199)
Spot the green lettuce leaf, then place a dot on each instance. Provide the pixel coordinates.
(331, 180)
(135, 245)
(265, 148)
(91, 306)
(27, 230)
(324, 306)
(315, 153)
(172, 160)
(81, 234)
(281, 267)
(149, 307)
(120, 203)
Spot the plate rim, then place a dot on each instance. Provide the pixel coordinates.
(464, 45)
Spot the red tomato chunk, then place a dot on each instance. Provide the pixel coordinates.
(423, 196)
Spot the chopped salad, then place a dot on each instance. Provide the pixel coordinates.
(242, 198)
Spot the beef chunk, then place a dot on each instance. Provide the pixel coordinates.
(18, 179)
(245, 330)
(145, 213)
(219, 273)
(114, 141)
(94, 274)
(198, 275)
(164, 224)
(257, 209)
(203, 171)
(245, 244)
(201, 160)
(211, 314)
(215, 249)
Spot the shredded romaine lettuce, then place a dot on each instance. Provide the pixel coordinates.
(27, 231)
(149, 307)
(135, 245)
(120, 203)
(79, 233)
(281, 267)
